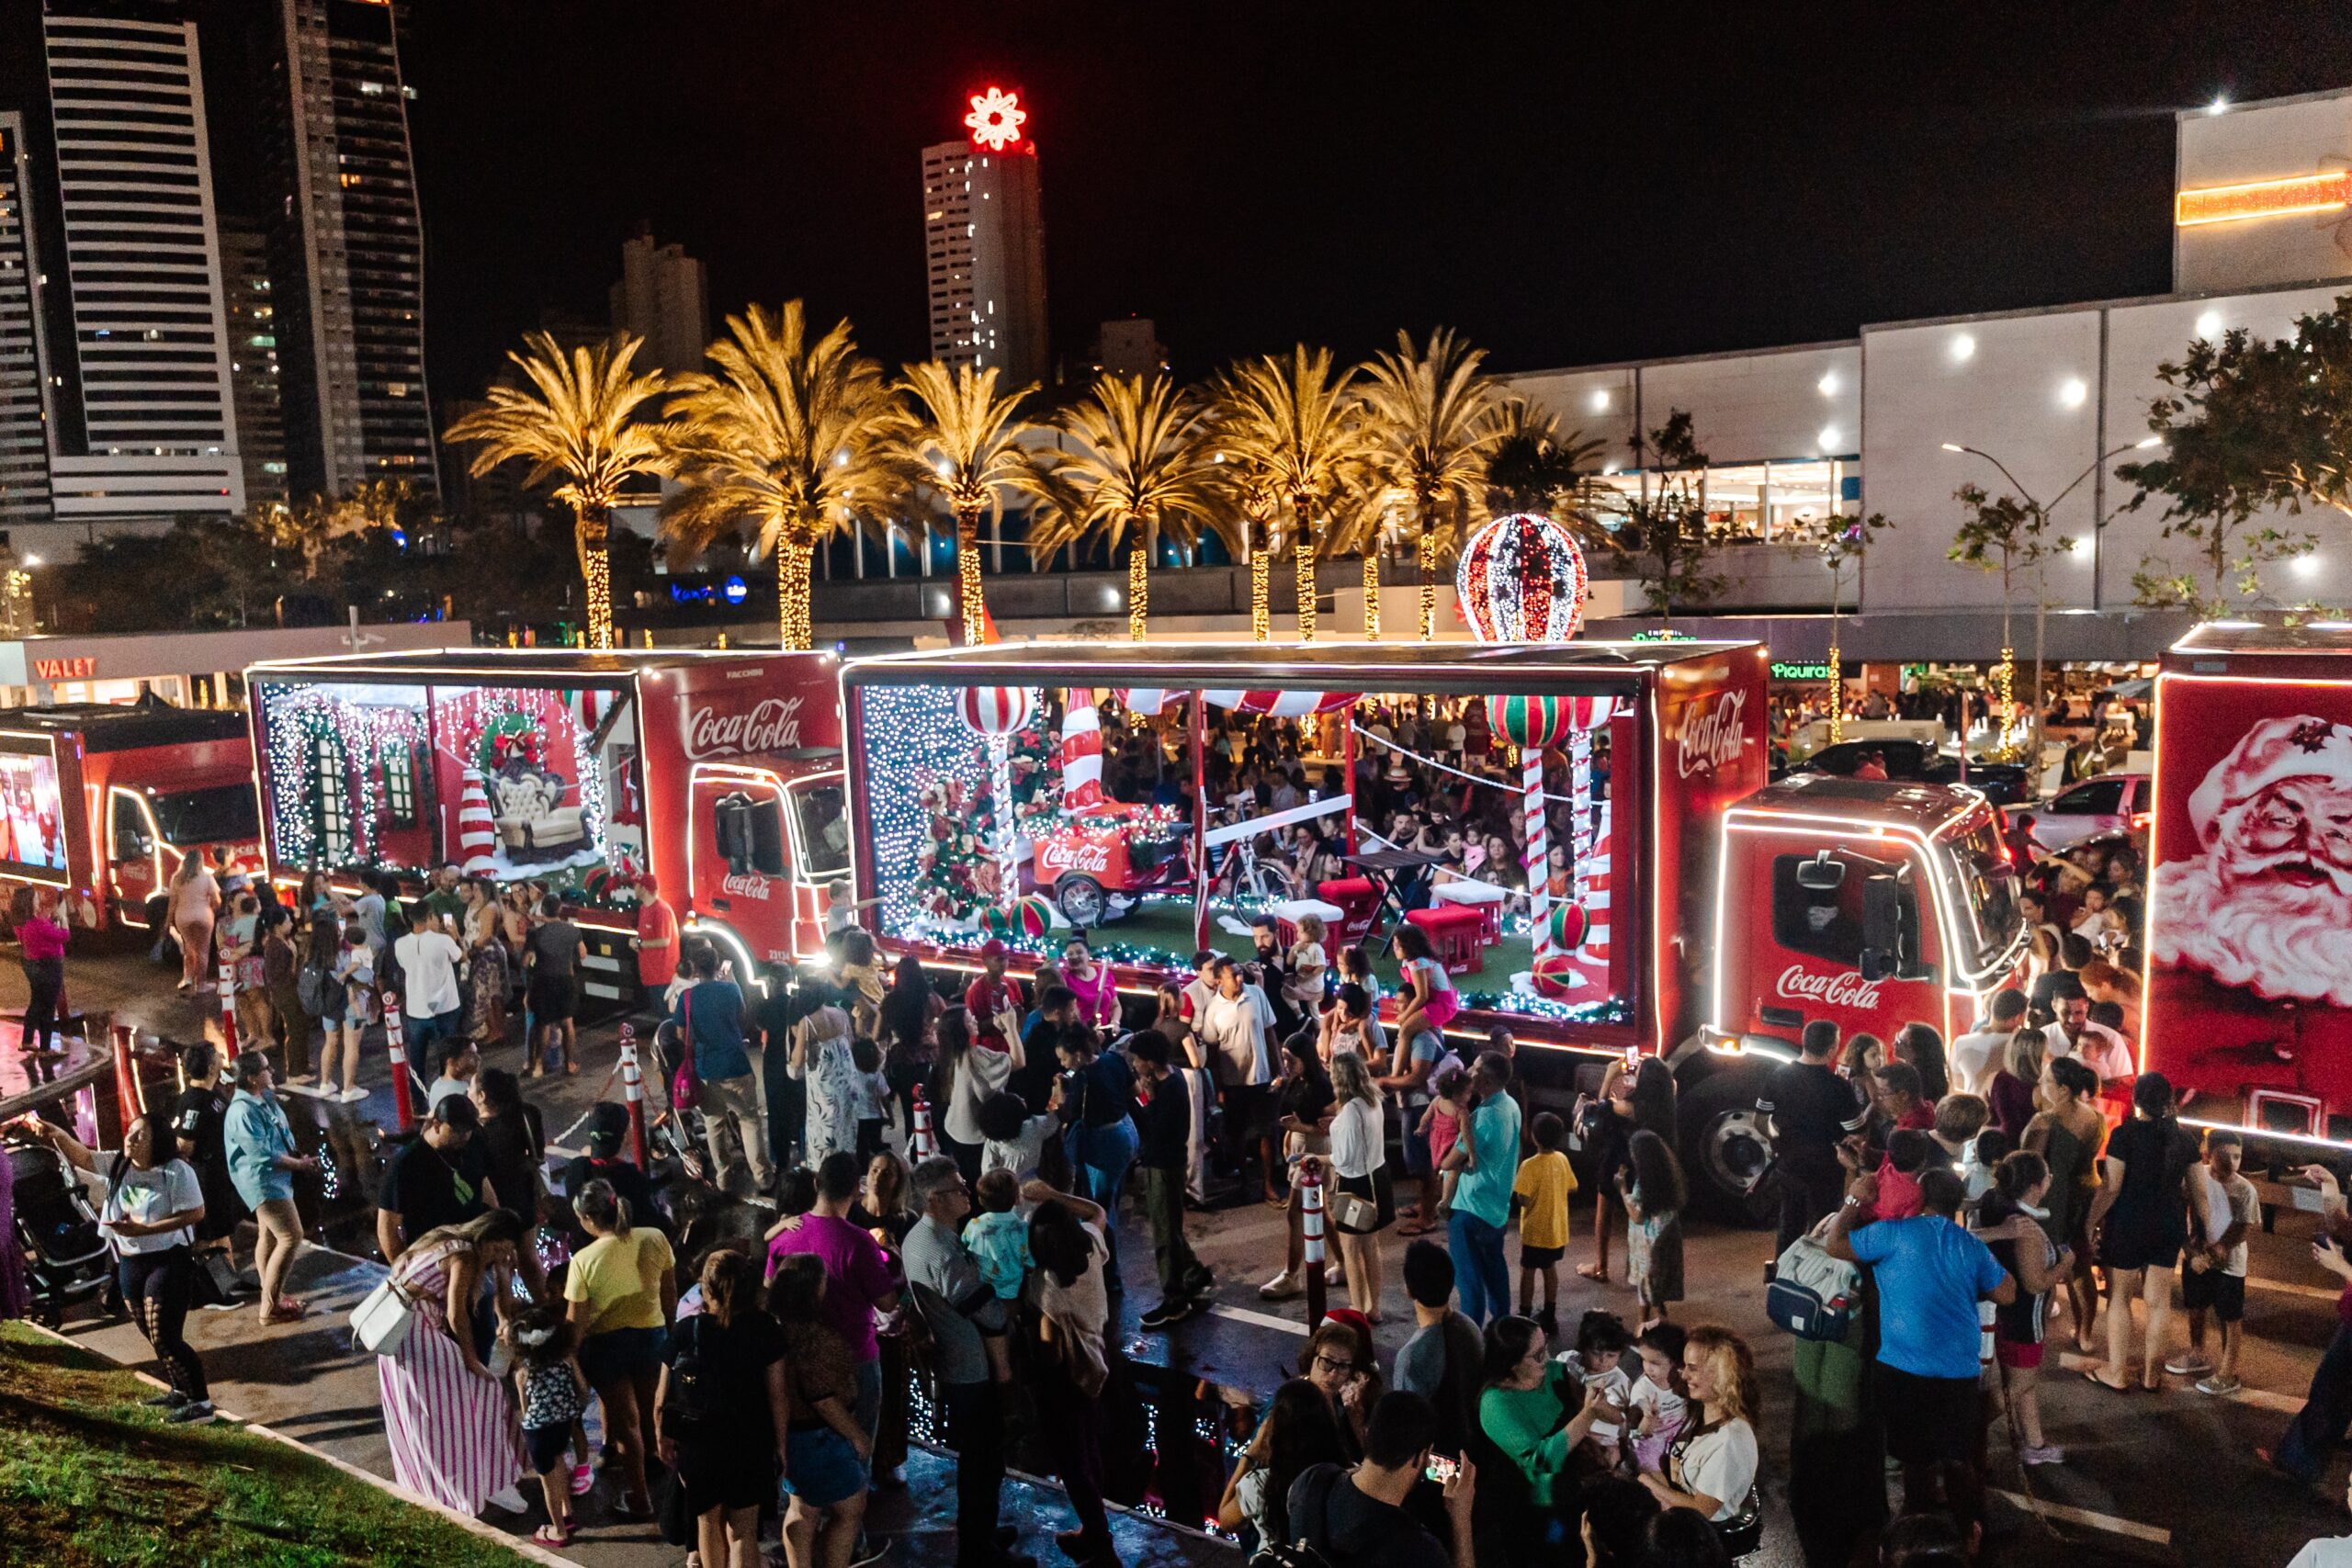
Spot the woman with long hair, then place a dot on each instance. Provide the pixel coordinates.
(1092, 982)
(2138, 1222)
(41, 934)
(2021, 1187)
(2067, 1133)
(622, 1291)
(1920, 1044)
(487, 962)
(445, 1417)
(1711, 1468)
(513, 1140)
(721, 1409)
(195, 903)
(1300, 1432)
(2010, 1097)
(1359, 1164)
(1073, 1362)
(1536, 1410)
(910, 1011)
(967, 1075)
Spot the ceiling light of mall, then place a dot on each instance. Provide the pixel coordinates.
(1829, 438)
(1600, 400)
(1828, 385)
(2221, 103)
(2208, 323)
(2147, 443)
(2081, 548)
(1963, 348)
(2307, 565)
(2073, 391)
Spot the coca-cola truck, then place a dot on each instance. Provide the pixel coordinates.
(719, 773)
(2248, 997)
(101, 801)
(1710, 917)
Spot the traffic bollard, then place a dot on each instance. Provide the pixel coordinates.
(402, 1107)
(129, 1103)
(229, 1005)
(1310, 1226)
(633, 1090)
(921, 1144)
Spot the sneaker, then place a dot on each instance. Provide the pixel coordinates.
(584, 1480)
(1174, 1310)
(191, 1410)
(2219, 1385)
(1203, 1289)
(509, 1499)
(2047, 1453)
(170, 1399)
(2188, 1363)
(1282, 1287)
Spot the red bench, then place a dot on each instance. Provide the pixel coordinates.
(1458, 936)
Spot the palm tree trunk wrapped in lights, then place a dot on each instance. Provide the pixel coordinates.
(1425, 563)
(793, 559)
(593, 538)
(1303, 575)
(2004, 679)
(1261, 617)
(1138, 590)
(971, 604)
(1372, 595)
(1837, 697)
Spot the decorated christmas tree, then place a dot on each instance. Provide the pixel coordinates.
(955, 875)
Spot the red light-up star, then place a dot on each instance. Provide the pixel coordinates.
(996, 118)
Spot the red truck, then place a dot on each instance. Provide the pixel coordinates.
(102, 801)
(1714, 916)
(718, 772)
(2248, 1001)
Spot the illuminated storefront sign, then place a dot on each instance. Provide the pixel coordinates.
(1783, 671)
(2264, 198)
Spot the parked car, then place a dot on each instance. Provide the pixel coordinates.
(2109, 803)
(1914, 762)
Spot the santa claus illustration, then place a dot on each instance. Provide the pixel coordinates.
(2267, 902)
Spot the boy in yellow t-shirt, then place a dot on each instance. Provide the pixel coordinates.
(1540, 1197)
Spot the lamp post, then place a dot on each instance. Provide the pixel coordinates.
(2040, 514)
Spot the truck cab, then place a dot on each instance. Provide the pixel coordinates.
(766, 843)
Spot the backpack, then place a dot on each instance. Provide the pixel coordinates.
(1814, 1295)
(695, 1378)
(316, 989)
(1308, 1549)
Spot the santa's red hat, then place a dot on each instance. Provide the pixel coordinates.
(2300, 747)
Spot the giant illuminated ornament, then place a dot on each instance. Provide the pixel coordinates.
(998, 713)
(1522, 578)
(996, 118)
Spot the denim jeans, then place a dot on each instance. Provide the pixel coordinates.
(1100, 1156)
(1478, 1270)
(2313, 1434)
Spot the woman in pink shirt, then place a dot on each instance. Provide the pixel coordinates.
(43, 936)
(1092, 984)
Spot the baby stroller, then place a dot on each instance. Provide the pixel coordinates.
(66, 1256)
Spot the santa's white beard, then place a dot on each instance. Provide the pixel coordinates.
(2277, 938)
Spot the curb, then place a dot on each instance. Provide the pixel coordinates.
(522, 1546)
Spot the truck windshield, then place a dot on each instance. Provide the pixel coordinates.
(1988, 889)
(224, 812)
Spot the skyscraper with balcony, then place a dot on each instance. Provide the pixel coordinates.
(662, 297)
(346, 249)
(117, 203)
(23, 428)
(984, 239)
(253, 370)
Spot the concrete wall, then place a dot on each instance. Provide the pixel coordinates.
(1745, 408)
(2278, 140)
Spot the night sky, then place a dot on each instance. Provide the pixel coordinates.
(1565, 184)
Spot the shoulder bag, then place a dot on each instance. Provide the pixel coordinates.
(686, 1090)
(381, 1323)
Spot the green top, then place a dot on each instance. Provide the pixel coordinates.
(1531, 1426)
(1493, 1134)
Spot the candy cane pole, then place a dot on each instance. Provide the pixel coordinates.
(1537, 855)
(1000, 781)
(229, 1005)
(633, 1090)
(1580, 790)
(1310, 1226)
(402, 1107)
(129, 1103)
(921, 1141)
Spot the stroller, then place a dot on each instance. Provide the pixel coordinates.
(66, 1256)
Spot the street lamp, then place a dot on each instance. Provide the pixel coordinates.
(2040, 514)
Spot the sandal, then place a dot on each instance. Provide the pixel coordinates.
(547, 1535)
(1593, 1272)
(2090, 1374)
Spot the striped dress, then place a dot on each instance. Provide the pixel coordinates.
(448, 1430)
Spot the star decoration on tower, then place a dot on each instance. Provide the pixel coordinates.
(996, 118)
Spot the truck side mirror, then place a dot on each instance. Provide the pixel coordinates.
(1821, 873)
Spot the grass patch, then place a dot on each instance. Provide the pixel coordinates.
(89, 1477)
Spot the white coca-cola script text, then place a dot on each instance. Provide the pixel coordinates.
(1712, 733)
(773, 725)
(1058, 856)
(745, 885)
(1846, 989)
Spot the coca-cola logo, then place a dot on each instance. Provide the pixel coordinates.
(1058, 856)
(773, 725)
(745, 885)
(1712, 733)
(1847, 989)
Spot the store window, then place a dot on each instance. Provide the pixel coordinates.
(1783, 500)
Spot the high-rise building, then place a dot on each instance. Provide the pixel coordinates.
(1129, 346)
(347, 251)
(661, 297)
(117, 187)
(253, 374)
(23, 428)
(984, 237)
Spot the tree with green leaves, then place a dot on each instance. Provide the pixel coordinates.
(2012, 538)
(1663, 534)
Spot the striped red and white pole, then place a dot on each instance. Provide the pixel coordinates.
(402, 1107)
(228, 984)
(633, 1090)
(1580, 793)
(1537, 855)
(920, 1142)
(129, 1103)
(1310, 1228)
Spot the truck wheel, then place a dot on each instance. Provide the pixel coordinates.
(1082, 901)
(1725, 1147)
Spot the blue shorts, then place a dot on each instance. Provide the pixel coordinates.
(618, 1353)
(821, 1468)
(1416, 1145)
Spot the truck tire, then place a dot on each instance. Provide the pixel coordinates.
(1725, 1148)
(1082, 901)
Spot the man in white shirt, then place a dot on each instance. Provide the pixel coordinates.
(2095, 1046)
(429, 997)
(1234, 1027)
(2327, 1552)
(1194, 1069)
(1977, 1056)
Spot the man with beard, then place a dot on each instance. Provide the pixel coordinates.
(2263, 913)
(2098, 1047)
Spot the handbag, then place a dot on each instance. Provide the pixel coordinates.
(1814, 1295)
(1744, 1531)
(381, 1320)
(686, 1090)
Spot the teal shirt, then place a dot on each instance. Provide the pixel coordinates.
(1531, 1426)
(256, 1133)
(1485, 1191)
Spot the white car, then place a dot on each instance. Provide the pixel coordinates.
(2111, 803)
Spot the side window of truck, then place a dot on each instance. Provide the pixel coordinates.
(1822, 922)
(825, 830)
(130, 841)
(749, 832)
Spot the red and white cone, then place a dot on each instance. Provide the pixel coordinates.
(1310, 1228)
(921, 1144)
(476, 831)
(229, 1005)
(401, 1106)
(633, 1090)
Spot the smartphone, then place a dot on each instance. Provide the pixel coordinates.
(1633, 1056)
(1441, 1469)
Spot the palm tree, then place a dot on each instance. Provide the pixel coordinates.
(1531, 467)
(1141, 466)
(1432, 422)
(584, 422)
(1294, 420)
(788, 437)
(964, 442)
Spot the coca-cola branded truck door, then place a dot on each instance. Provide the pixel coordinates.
(1789, 946)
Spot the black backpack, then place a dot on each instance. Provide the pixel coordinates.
(1310, 1527)
(696, 1378)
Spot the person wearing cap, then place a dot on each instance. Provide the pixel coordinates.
(656, 941)
(994, 1000)
(262, 1163)
(607, 1159)
(439, 1179)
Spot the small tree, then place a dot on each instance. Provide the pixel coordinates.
(2012, 538)
(1665, 534)
(1844, 549)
